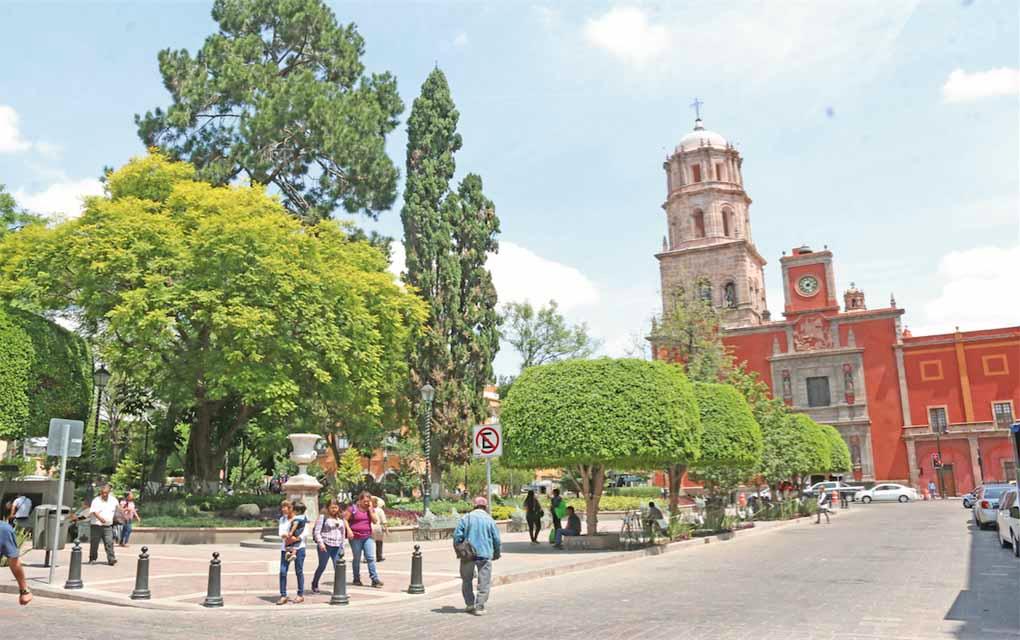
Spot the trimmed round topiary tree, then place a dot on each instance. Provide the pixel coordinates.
(731, 450)
(839, 453)
(814, 455)
(590, 414)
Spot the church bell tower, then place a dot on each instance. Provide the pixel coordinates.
(708, 249)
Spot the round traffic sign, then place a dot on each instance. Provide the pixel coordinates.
(487, 440)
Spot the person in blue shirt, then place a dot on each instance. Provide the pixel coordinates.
(479, 529)
(9, 550)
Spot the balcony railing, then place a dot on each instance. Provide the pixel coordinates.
(956, 428)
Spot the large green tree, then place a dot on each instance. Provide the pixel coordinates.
(839, 452)
(447, 236)
(13, 217)
(543, 335)
(222, 304)
(732, 443)
(594, 414)
(279, 96)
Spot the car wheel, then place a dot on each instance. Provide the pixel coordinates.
(1006, 544)
(904, 499)
(866, 499)
(1016, 546)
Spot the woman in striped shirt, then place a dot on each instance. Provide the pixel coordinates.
(329, 534)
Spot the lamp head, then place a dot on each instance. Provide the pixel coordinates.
(101, 377)
(428, 393)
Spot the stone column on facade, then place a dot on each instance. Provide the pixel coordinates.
(902, 376)
(975, 463)
(915, 478)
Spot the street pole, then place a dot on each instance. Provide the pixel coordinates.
(64, 442)
(427, 395)
(95, 442)
(488, 484)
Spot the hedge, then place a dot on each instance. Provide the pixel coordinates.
(16, 358)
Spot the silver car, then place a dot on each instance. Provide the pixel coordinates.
(986, 504)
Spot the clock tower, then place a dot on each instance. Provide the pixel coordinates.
(809, 285)
(708, 250)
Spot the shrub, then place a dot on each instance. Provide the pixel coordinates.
(501, 512)
(635, 492)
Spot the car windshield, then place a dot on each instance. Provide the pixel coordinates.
(993, 492)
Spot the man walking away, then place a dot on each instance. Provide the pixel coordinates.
(824, 499)
(9, 550)
(103, 508)
(478, 530)
(21, 509)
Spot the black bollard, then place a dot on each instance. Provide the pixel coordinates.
(141, 591)
(417, 585)
(213, 597)
(74, 573)
(340, 582)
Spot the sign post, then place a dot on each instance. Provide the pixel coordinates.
(487, 442)
(64, 440)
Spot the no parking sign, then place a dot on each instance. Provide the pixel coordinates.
(487, 441)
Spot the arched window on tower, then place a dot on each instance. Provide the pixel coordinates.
(699, 223)
(730, 296)
(727, 223)
(695, 173)
(705, 292)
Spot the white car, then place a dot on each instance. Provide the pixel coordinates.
(986, 504)
(1008, 519)
(887, 493)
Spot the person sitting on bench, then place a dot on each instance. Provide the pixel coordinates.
(573, 527)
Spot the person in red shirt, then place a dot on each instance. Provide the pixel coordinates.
(360, 517)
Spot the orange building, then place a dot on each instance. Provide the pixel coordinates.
(896, 399)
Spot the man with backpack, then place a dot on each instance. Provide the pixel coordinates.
(476, 543)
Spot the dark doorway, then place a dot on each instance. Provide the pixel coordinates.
(948, 483)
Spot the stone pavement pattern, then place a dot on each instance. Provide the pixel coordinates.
(886, 572)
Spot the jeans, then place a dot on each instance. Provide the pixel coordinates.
(468, 568)
(104, 533)
(534, 526)
(125, 532)
(331, 553)
(565, 532)
(822, 510)
(299, 569)
(368, 546)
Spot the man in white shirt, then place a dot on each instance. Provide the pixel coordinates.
(21, 509)
(103, 508)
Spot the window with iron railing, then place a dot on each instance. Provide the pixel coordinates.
(1003, 413)
(938, 420)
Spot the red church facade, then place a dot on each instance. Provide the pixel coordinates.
(895, 398)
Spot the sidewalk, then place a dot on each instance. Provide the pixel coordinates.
(250, 577)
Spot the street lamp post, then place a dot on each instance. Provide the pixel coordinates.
(101, 378)
(938, 470)
(428, 393)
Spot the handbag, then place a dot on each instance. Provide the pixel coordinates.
(465, 550)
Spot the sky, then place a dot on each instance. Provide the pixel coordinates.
(886, 130)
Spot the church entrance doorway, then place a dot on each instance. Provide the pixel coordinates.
(948, 483)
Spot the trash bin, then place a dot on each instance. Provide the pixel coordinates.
(44, 519)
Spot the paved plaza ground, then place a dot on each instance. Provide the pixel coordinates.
(883, 571)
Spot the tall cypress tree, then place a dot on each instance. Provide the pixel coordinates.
(447, 236)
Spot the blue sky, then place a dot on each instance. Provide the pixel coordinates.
(887, 130)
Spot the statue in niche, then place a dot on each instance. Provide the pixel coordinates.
(731, 295)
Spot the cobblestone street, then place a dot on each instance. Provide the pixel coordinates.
(886, 571)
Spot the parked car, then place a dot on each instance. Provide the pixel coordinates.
(831, 485)
(887, 493)
(1008, 519)
(968, 498)
(986, 504)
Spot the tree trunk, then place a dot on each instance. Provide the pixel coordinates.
(199, 469)
(592, 481)
(675, 473)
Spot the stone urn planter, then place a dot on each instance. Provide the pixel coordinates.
(302, 486)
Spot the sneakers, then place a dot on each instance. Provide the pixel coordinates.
(479, 611)
(282, 600)
(469, 609)
(377, 584)
(356, 583)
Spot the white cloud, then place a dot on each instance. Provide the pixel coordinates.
(61, 199)
(460, 40)
(10, 135)
(520, 274)
(978, 291)
(965, 87)
(628, 33)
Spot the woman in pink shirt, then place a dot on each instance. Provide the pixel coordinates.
(360, 518)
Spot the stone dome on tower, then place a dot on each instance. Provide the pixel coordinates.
(701, 137)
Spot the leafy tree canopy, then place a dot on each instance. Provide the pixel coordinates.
(624, 413)
(279, 96)
(689, 330)
(543, 335)
(812, 445)
(732, 438)
(217, 300)
(12, 217)
(839, 453)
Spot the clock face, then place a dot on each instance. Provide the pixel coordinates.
(807, 286)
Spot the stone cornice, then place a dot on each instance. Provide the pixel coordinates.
(871, 314)
(802, 355)
(711, 247)
(815, 257)
(768, 327)
(708, 186)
